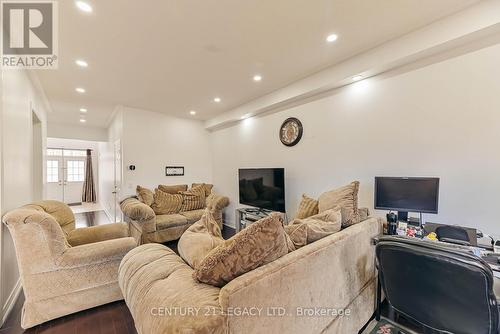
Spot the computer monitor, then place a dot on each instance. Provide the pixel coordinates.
(407, 194)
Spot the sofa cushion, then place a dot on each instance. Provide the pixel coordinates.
(308, 230)
(193, 216)
(199, 239)
(156, 283)
(262, 242)
(165, 203)
(308, 207)
(345, 199)
(173, 189)
(145, 195)
(207, 186)
(193, 199)
(166, 221)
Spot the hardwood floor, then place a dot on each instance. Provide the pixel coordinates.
(113, 318)
(93, 218)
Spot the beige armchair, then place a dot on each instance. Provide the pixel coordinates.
(64, 270)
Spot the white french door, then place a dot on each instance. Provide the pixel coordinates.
(65, 175)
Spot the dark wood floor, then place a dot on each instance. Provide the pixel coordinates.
(113, 318)
(93, 218)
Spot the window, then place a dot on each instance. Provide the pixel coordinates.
(52, 171)
(75, 170)
(54, 152)
(74, 153)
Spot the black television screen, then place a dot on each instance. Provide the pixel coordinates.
(263, 188)
(411, 194)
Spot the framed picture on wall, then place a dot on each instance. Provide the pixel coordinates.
(174, 171)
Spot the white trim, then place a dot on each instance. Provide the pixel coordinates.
(11, 301)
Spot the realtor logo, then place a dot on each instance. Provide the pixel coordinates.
(29, 34)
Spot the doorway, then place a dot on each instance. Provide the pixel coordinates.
(65, 174)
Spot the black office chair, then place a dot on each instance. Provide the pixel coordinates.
(445, 288)
(453, 234)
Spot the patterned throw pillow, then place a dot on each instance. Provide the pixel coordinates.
(308, 207)
(193, 199)
(308, 230)
(165, 203)
(260, 243)
(344, 199)
(145, 195)
(199, 239)
(207, 186)
(173, 189)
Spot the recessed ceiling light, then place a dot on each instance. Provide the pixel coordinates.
(80, 90)
(83, 110)
(192, 112)
(331, 38)
(81, 63)
(257, 77)
(82, 120)
(217, 99)
(357, 77)
(83, 6)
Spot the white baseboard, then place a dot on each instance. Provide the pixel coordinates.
(11, 301)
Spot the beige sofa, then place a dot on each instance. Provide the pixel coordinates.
(298, 293)
(64, 270)
(148, 227)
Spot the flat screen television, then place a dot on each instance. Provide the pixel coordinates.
(263, 188)
(407, 194)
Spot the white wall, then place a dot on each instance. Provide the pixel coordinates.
(151, 141)
(82, 132)
(441, 120)
(19, 97)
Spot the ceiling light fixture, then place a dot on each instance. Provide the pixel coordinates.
(81, 63)
(217, 99)
(257, 77)
(82, 120)
(357, 77)
(331, 38)
(192, 112)
(80, 90)
(84, 110)
(84, 7)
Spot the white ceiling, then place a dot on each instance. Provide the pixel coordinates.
(176, 56)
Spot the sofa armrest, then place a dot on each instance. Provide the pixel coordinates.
(136, 210)
(216, 204)
(92, 234)
(336, 272)
(96, 253)
(139, 212)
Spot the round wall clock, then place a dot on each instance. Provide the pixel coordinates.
(291, 131)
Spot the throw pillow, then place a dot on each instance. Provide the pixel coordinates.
(308, 207)
(173, 189)
(165, 203)
(262, 242)
(208, 187)
(193, 199)
(145, 195)
(308, 230)
(345, 199)
(199, 239)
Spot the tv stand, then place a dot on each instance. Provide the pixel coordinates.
(403, 217)
(247, 216)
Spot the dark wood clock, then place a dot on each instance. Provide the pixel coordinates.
(291, 131)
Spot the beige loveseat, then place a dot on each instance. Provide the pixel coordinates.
(64, 270)
(304, 291)
(148, 227)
